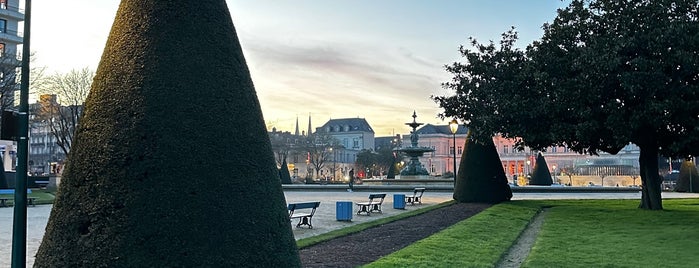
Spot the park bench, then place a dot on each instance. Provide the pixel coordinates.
(31, 201)
(12, 191)
(374, 204)
(42, 184)
(304, 216)
(416, 197)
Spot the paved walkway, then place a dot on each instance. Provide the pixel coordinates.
(324, 220)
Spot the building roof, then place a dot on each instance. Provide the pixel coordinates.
(346, 125)
(440, 129)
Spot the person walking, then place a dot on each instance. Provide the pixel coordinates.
(351, 180)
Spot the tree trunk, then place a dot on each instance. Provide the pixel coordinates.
(650, 179)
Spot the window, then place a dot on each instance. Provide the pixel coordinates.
(459, 150)
(504, 149)
(3, 26)
(3, 4)
(553, 149)
(451, 150)
(356, 143)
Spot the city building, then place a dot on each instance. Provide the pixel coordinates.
(353, 136)
(45, 155)
(10, 61)
(560, 160)
(10, 58)
(10, 16)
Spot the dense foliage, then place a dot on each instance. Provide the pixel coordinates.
(481, 177)
(377, 162)
(170, 151)
(604, 74)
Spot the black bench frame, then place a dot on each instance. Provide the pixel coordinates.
(416, 198)
(373, 205)
(304, 217)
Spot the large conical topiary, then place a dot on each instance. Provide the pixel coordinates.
(171, 164)
(541, 174)
(688, 174)
(481, 177)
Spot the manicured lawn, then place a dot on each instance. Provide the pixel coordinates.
(43, 196)
(576, 233)
(476, 242)
(614, 233)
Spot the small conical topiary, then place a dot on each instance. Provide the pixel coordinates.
(541, 174)
(284, 173)
(171, 164)
(688, 174)
(392, 170)
(481, 178)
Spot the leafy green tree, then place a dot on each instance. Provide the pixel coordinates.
(605, 73)
(481, 177)
(688, 174)
(156, 176)
(541, 174)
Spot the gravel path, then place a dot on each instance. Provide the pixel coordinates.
(371, 244)
(520, 250)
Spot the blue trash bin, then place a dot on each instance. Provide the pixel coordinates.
(399, 201)
(343, 210)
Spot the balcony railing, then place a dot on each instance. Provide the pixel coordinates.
(4, 6)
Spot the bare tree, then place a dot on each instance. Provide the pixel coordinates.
(10, 78)
(318, 148)
(62, 101)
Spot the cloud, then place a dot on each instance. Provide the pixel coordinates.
(341, 79)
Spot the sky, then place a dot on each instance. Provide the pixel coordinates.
(374, 59)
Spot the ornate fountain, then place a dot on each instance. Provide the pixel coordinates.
(414, 168)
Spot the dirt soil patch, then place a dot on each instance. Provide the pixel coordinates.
(371, 244)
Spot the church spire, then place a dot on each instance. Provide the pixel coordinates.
(297, 126)
(309, 125)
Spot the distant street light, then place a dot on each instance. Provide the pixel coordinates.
(333, 151)
(690, 174)
(453, 127)
(554, 173)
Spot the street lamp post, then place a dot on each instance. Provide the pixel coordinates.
(453, 127)
(554, 173)
(333, 151)
(19, 220)
(690, 174)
